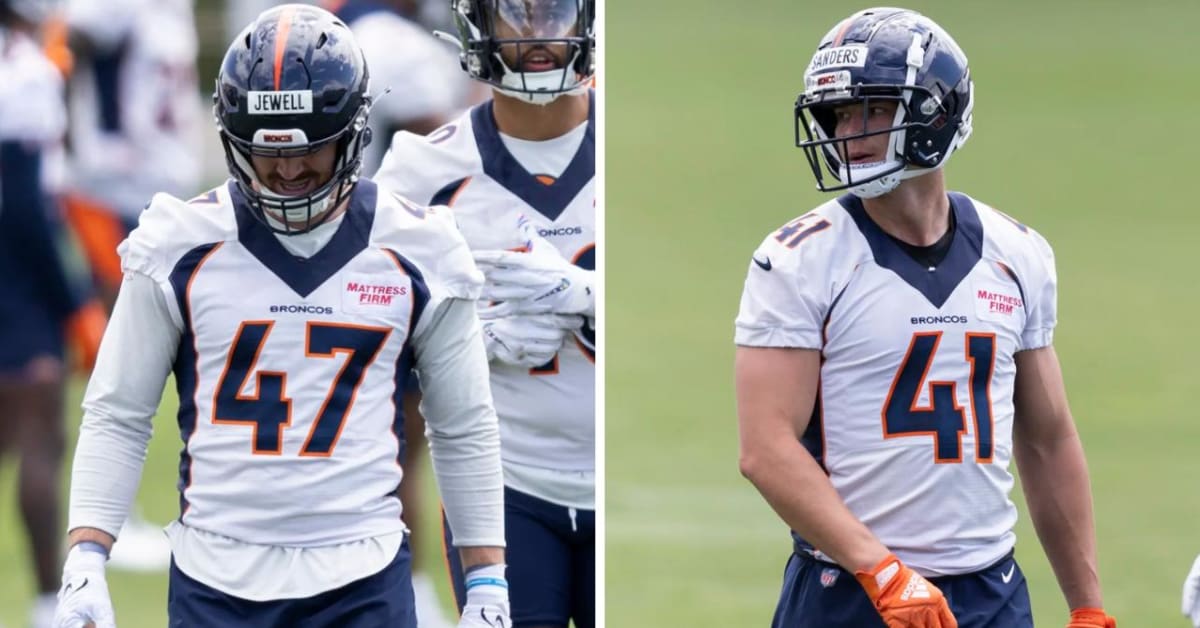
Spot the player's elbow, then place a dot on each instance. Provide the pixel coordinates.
(752, 463)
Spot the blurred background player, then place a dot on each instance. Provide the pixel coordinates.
(288, 394)
(426, 86)
(39, 300)
(518, 173)
(418, 87)
(134, 131)
(895, 355)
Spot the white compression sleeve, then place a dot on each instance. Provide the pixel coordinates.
(461, 424)
(120, 403)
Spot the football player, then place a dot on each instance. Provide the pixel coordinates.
(894, 355)
(38, 298)
(291, 304)
(518, 173)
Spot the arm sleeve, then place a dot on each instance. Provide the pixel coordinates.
(26, 227)
(119, 405)
(461, 424)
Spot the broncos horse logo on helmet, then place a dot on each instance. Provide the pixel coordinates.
(294, 81)
(894, 55)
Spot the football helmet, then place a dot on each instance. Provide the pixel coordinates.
(292, 82)
(893, 55)
(487, 27)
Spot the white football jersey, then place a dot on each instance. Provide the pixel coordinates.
(31, 101)
(290, 370)
(135, 111)
(547, 414)
(422, 73)
(914, 417)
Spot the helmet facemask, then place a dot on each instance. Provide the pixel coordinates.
(290, 215)
(491, 30)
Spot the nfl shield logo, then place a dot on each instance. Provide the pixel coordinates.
(828, 577)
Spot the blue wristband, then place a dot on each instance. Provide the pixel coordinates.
(92, 546)
(497, 582)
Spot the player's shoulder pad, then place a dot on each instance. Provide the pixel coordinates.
(32, 108)
(419, 166)
(169, 228)
(1009, 240)
(813, 244)
(427, 237)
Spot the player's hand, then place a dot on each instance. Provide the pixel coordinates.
(904, 598)
(1191, 594)
(487, 599)
(83, 599)
(1091, 618)
(536, 282)
(527, 341)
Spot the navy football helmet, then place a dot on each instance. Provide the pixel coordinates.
(292, 82)
(487, 26)
(892, 55)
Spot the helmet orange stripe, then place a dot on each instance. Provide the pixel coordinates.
(837, 41)
(281, 37)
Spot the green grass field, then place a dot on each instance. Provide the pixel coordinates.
(140, 600)
(1084, 128)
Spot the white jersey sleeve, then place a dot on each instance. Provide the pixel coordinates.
(1028, 256)
(31, 93)
(789, 287)
(1042, 295)
(417, 167)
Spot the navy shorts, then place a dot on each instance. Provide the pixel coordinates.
(551, 558)
(28, 330)
(817, 594)
(382, 599)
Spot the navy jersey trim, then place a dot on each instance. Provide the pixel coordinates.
(936, 285)
(446, 195)
(404, 363)
(499, 164)
(300, 274)
(185, 362)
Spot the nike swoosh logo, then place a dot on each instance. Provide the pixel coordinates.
(1006, 577)
(71, 585)
(765, 265)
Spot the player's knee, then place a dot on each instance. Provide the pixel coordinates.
(44, 370)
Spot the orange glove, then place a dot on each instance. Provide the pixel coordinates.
(905, 599)
(85, 328)
(1091, 618)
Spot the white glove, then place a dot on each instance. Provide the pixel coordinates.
(83, 599)
(1191, 594)
(528, 341)
(487, 599)
(536, 282)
